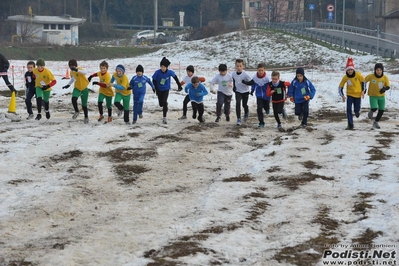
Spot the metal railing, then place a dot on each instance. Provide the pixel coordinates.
(304, 29)
(368, 32)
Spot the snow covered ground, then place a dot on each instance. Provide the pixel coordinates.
(201, 194)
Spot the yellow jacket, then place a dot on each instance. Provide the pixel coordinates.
(376, 84)
(353, 85)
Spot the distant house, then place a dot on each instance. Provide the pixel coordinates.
(370, 13)
(58, 30)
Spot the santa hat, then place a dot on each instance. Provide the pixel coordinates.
(349, 64)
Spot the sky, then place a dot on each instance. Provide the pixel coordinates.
(200, 194)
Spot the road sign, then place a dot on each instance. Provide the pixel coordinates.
(330, 8)
(330, 15)
(311, 6)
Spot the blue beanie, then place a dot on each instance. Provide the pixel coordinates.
(121, 67)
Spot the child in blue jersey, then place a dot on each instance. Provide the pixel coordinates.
(161, 81)
(259, 86)
(138, 85)
(30, 88)
(196, 91)
(300, 92)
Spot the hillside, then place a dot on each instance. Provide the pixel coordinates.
(187, 193)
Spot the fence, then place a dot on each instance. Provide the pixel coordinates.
(304, 29)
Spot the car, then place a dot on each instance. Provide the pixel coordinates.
(142, 36)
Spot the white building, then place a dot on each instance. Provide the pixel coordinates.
(59, 30)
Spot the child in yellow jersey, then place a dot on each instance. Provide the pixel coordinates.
(105, 92)
(121, 92)
(44, 80)
(379, 84)
(354, 91)
(78, 76)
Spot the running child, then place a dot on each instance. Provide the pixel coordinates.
(104, 92)
(30, 88)
(378, 85)
(277, 91)
(44, 80)
(301, 91)
(187, 79)
(224, 81)
(355, 89)
(78, 76)
(161, 81)
(138, 85)
(121, 92)
(240, 80)
(196, 92)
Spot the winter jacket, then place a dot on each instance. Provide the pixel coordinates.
(161, 80)
(300, 89)
(4, 63)
(138, 84)
(354, 85)
(260, 86)
(280, 91)
(196, 94)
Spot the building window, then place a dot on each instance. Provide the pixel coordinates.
(46, 26)
(60, 26)
(258, 5)
(53, 26)
(291, 5)
(67, 26)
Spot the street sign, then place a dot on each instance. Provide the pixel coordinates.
(330, 15)
(330, 8)
(311, 6)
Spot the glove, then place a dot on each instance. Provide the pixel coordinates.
(306, 97)
(90, 77)
(45, 87)
(74, 69)
(129, 88)
(234, 89)
(95, 83)
(292, 99)
(252, 93)
(382, 90)
(180, 88)
(66, 87)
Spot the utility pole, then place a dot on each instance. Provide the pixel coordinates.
(343, 25)
(91, 20)
(155, 20)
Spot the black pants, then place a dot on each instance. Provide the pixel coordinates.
(278, 109)
(163, 101)
(262, 104)
(244, 98)
(30, 93)
(198, 107)
(185, 102)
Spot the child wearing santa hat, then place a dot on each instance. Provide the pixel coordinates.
(355, 89)
(379, 84)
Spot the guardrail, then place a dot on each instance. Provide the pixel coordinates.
(368, 32)
(304, 29)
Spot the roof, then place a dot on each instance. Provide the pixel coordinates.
(66, 19)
